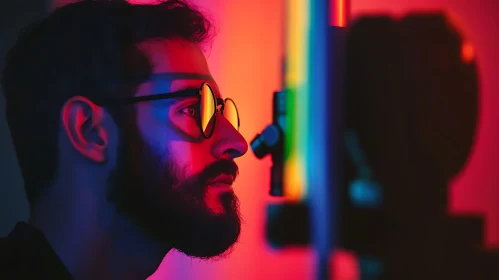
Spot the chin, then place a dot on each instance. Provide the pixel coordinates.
(211, 233)
(210, 248)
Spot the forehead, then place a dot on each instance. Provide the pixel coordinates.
(175, 55)
(176, 64)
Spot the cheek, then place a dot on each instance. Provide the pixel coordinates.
(152, 128)
(194, 157)
(113, 145)
(162, 136)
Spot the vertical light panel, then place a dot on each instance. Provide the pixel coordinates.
(319, 178)
(301, 20)
(306, 156)
(297, 86)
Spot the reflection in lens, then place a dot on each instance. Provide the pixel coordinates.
(230, 113)
(207, 109)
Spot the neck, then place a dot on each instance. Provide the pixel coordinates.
(92, 240)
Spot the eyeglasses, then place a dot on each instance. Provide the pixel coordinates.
(207, 106)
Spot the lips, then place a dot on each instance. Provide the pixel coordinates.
(222, 179)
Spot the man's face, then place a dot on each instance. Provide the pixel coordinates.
(174, 183)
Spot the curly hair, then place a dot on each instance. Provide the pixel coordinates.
(79, 50)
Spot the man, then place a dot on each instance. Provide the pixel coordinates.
(125, 144)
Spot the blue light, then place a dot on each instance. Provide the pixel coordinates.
(365, 193)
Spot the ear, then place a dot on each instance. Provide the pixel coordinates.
(83, 124)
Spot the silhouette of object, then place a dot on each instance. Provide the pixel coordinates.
(413, 103)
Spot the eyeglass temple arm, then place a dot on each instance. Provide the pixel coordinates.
(137, 99)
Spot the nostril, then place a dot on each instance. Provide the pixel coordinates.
(233, 153)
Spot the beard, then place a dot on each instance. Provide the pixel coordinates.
(171, 207)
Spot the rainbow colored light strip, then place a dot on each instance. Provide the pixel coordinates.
(297, 34)
(301, 128)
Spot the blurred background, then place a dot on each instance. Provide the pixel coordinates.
(246, 60)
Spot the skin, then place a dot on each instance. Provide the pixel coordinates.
(91, 237)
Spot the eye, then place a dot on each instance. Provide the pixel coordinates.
(190, 111)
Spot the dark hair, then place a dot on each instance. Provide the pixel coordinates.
(79, 50)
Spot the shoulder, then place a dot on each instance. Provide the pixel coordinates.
(10, 261)
(7, 251)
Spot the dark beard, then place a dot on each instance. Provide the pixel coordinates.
(169, 208)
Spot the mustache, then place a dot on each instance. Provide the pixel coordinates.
(227, 167)
(195, 185)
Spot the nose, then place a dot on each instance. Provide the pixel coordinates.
(228, 142)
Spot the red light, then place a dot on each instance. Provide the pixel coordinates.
(339, 13)
(467, 52)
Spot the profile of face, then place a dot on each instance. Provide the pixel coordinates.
(173, 182)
